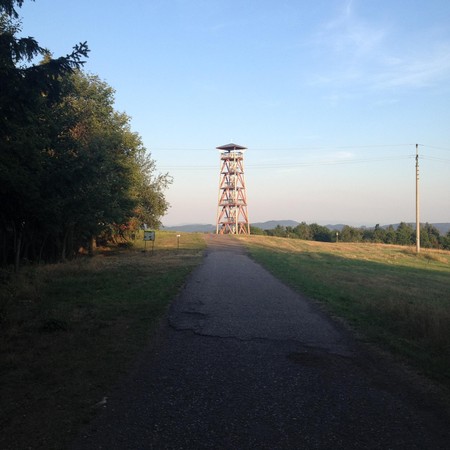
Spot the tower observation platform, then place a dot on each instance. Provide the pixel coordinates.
(232, 214)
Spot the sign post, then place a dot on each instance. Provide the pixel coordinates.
(149, 235)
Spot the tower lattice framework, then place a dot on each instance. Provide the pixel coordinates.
(232, 214)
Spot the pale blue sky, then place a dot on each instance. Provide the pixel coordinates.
(329, 96)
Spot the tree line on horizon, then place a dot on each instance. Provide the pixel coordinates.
(71, 169)
(404, 234)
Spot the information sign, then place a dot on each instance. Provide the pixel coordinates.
(149, 235)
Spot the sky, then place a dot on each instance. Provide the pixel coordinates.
(329, 97)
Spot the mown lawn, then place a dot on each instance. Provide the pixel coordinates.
(69, 332)
(390, 295)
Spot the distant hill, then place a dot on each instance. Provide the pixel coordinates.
(192, 228)
(271, 224)
(443, 228)
(337, 227)
(208, 228)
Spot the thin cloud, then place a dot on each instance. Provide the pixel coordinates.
(348, 34)
(337, 157)
(344, 155)
(421, 71)
(360, 54)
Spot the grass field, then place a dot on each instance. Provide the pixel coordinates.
(69, 332)
(392, 296)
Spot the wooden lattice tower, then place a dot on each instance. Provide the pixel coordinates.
(232, 215)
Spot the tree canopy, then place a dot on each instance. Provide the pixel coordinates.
(71, 169)
(403, 234)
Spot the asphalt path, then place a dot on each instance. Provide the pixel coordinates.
(243, 362)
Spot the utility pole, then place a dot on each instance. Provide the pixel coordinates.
(417, 202)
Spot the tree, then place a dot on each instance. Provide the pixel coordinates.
(303, 231)
(390, 236)
(379, 234)
(350, 234)
(26, 90)
(446, 241)
(278, 231)
(368, 234)
(8, 7)
(404, 234)
(430, 236)
(320, 233)
(149, 190)
(257, 230)
(70, 166)
(100, 178)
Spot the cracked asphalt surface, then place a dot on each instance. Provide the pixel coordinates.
(243, 362)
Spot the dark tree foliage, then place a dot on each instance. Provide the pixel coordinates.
(320, 233)
(390, 237)
(351, 234)
(379, 234)
(446, 241)
(26, 90)
(404, 234)
(430, 237)
(257, 231)
(8, 7)
(278, 231)
(303, 231)
(70, 167)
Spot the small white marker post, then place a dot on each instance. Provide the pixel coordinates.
(178, 242)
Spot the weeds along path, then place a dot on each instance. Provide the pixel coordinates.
(244, 362)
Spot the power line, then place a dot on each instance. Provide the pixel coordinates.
(339, 147)
(300, 148)
(437, 148)
(334, 162)
(297, 164)
(309, 163)
(433, 158)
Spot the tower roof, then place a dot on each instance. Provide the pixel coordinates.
(230, 147)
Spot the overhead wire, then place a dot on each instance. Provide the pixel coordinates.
(433, 158)
(308, 163)
(296, 164)
(329, 147)
(436, 148)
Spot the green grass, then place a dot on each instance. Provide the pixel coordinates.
(392, 296)
(71, 331)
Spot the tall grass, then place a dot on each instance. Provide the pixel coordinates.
(70, 331)
(391, 295)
